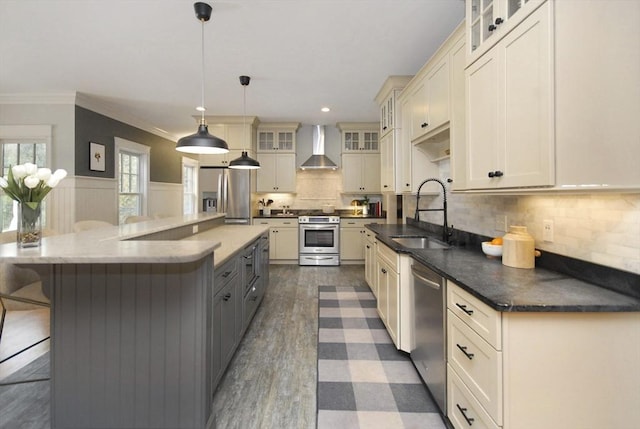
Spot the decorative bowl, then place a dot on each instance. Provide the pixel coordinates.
(491, 250)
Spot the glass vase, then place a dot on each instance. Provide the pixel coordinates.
(29, 224)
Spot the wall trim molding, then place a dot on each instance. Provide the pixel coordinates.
(89, 102)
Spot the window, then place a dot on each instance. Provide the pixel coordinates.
(132, 170)
(189, 186)
(20, 144)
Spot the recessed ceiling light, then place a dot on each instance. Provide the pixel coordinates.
(325, 109)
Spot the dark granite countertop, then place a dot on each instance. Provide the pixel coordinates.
(509, 289)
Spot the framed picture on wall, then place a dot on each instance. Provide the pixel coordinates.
(96, 157)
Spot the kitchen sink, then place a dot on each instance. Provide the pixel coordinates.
(420, 243)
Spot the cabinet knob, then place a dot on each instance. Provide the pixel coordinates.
(499, 21)
(407, 184)
(384, 128)
(424, 125)
(492, 27)
(496, 173)
(226, 297)
(383, 271)
(385, 186)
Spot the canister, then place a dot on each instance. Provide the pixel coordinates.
(518, 249)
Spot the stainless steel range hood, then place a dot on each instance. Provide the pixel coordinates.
(318, 160)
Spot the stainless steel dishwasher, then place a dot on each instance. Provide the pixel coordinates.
(429, 354)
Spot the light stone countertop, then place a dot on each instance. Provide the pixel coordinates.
(231, 239)
(117, 244)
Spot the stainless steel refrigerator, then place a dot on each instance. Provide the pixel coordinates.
(226, 190)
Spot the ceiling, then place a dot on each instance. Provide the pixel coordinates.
(143, 57)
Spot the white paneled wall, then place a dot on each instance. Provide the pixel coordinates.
(96, 199)
(165, 199)
(90, 198)
(602, 228)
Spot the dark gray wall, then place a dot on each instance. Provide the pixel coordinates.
(165, 161)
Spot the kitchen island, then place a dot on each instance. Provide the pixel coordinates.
(531, 348)
(132, 320)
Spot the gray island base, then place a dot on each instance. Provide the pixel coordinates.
(138, 342)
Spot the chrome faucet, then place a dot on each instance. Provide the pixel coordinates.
(445, 228)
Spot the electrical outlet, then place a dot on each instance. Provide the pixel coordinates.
(501, 223)
(195, 229)
(547, 230)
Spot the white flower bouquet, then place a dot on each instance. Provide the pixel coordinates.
(28, 185)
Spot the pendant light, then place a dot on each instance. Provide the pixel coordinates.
(202, 142)
(244, 162)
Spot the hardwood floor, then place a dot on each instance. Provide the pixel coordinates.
(271, 380)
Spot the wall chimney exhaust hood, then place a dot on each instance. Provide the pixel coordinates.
(318, 161)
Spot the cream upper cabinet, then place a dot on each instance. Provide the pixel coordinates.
(425, 108)
(221, 160)
(277, 172)
(387, 163)
(390, 124)
(361, 173)
(238, 132)
(359, 136)
(510, 139)
(489, 20)
(458, 125)
(550, 105)
(280, 137)
(387, 115)
(430, 102)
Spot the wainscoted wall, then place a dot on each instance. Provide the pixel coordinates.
(93, 198)
(314, 189)
(601, 228)
(165, 199)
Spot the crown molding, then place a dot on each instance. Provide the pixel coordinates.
(115, 112)
(50, 98)
(88, 102)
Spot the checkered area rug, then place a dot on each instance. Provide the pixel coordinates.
(364, 382)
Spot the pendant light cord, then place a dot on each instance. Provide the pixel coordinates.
(244, 117)
(202, 108)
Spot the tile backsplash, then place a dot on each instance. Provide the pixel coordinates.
(601, 228)
(315, 188)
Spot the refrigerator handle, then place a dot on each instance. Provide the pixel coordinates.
(220, 205)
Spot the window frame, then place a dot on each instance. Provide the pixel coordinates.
(143, 151)
(32, 134)
(195, 165)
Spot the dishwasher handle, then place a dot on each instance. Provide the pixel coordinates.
(420, 276)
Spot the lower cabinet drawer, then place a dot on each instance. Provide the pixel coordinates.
(463, 410)
(477, 363)
(224, 273)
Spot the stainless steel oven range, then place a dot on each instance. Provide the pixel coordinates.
(319, 240)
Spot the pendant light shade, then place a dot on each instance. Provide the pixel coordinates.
(245, 162)
(202, 142)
